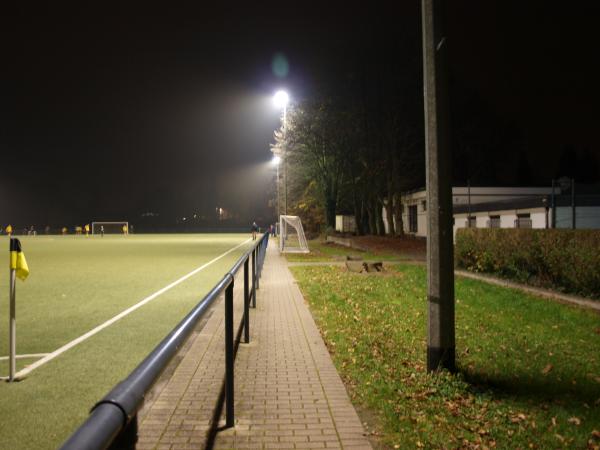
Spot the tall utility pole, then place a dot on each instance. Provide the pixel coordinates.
(440, 263)
(285, 160)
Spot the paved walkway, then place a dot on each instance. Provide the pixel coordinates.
(287, 391)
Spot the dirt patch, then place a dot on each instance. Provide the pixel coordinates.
(403, 246)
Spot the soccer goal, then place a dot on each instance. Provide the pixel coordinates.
(110, 227)
(291, 235)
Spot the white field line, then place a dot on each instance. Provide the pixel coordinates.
(50, 356)
(31, 355)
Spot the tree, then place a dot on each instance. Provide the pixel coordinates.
(314, 140)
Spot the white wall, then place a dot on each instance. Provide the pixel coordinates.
(482, 220)
(345, 224)
(507, 219)
(538, 219)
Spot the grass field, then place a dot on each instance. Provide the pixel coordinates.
(76, 284)
(321, 251)
(529, 370)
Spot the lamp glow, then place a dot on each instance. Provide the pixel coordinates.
(281, 99)
(276, 160)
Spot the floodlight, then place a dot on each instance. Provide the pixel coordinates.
(276, 160)
(281, 99)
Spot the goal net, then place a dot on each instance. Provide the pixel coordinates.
(291, 235)
(110, 227)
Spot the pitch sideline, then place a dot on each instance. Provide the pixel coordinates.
(50, 356)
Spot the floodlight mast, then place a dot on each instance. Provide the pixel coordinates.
(281, 99)
(276, 161)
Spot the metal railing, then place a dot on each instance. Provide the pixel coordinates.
(113, 420)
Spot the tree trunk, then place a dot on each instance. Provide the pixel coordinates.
(398, 215)
(358, 215)
(379, 217)
(372, 218)
(330, 206)
(389, 212)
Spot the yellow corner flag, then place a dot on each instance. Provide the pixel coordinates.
(17, 259)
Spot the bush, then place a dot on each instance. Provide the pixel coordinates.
(568, 260)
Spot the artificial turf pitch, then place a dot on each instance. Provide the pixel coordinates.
(77, 283)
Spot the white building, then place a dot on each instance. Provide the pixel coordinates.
(345, 223)
(502, 207)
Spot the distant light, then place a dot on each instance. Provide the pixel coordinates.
(281, 99)
(276, 160)
(184, 219)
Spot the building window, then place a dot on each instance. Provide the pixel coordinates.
(494, 222)
(471, 222)
(523, 221)
(412, 219)
(424, 205)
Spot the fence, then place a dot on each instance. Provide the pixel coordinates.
(113, 420)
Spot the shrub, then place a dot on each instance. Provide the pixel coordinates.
(567, 260)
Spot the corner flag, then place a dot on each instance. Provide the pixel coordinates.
(17, 259)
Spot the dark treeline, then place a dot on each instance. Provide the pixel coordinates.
(357, 142)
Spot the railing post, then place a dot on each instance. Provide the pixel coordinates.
(229, 417)
(246, 304)
(257, 256)
(254, 278)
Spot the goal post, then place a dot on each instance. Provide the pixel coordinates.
(291, 235)
(110, 227)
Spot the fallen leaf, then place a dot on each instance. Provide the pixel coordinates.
(596, 434)
(546, 370)
(574, 420)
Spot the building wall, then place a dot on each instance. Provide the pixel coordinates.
(415, 198)
(538, 219)
(482, 220)
(587, 217)
(345, 224)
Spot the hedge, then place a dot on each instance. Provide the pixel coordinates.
(566, 260)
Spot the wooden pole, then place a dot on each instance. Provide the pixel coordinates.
(440, 264)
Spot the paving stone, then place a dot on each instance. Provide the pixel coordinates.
(287, 391)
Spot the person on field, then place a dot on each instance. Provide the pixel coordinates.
(254, 230)
(125, 230)
(64, 230)
(9, 229)
(87, 229)
(102, 230)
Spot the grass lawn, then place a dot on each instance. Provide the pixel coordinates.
(77, 283)
(321, 251)
(529, 369)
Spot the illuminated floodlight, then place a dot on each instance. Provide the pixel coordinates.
(281, 99)
(276, 160)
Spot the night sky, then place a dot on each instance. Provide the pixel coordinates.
(107, 115)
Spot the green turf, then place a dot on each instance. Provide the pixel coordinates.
(529, 370)
(326, 251)
(77, 283)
